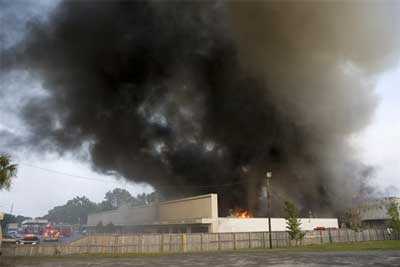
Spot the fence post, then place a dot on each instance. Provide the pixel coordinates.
(273, 234)
(140, 243)
(201, 241)
(320, 236)
(162, 243)
(88, 244)
(263, 239)
(184, 243)
(115, 248)
(249, 239)
(219, 243)
(170, 242)
(330, 235)
(234, 241)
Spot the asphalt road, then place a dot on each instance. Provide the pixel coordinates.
(365, 258)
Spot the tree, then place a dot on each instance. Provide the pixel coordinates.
(144, 199)
(99, 227)
(115, 199)
(293, 222)
(75, 211)
(7, 171)
(393, 211)
(109, 228)
(9, 218)
(118, 197)
(352, 219)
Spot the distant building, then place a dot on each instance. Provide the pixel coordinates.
(12, 227)
(374, 213)
(197, 214)
(34, 226)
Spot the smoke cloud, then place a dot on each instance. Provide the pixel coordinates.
(199, 97)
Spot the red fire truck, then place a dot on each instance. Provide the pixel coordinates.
(50, 233)
(64, 229)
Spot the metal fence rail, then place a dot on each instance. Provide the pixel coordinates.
(172, 243)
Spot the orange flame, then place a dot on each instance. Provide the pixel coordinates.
(242, 214)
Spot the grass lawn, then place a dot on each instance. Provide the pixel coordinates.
(355, 246)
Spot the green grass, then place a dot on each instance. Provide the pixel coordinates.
(355, 246)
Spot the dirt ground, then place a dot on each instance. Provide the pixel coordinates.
(365, 258)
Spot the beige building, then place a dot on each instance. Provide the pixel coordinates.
(194, 214)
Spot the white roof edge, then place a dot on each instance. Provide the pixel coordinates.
(187, 198)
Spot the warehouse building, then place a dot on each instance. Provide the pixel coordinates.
(374, 213)
(197, 214)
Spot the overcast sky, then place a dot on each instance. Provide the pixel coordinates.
(45, 181)
(379, 144)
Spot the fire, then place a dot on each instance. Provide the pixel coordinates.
(242, 214)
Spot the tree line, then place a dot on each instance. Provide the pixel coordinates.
(76, 210)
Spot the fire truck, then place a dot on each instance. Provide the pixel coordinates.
(64, 229)
(50, 233)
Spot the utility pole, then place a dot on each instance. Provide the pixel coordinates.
(157, 204)
(268, 177)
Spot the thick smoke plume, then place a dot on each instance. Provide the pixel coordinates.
(199, 97)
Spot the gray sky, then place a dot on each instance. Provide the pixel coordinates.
(35, 191)
(379, 144)
(45, 181)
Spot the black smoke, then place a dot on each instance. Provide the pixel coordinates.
(200, 97)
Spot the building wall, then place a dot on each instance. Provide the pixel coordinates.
(124, 216)
(308, 224)
(199, 211)
(12, 227)
(205, 206)
(376, 209)
(227, 225)
(138, 215)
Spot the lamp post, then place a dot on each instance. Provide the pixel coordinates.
(1, 235)
(268, 177)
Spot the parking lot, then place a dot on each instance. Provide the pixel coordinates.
(255, 258)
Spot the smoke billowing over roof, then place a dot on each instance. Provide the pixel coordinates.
(198, 97)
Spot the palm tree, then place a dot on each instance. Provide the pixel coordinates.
(7, 171)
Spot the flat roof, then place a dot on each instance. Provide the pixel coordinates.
(153, 203)
(34, 221)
